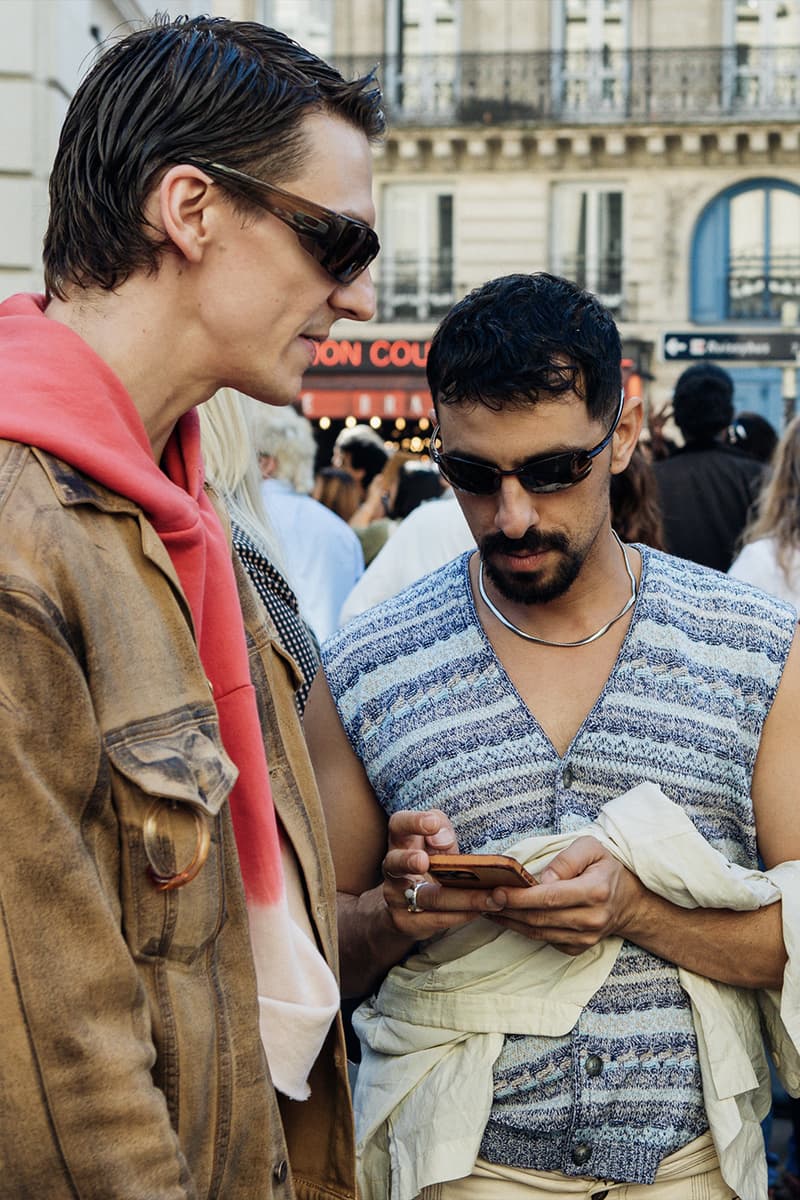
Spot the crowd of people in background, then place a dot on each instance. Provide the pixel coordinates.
(696, 494)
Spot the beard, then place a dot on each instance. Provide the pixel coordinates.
(531, 587)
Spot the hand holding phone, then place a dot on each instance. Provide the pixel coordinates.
(479, 871)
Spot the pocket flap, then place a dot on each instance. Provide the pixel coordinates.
(183, 761)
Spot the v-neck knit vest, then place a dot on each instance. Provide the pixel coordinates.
(437, 723)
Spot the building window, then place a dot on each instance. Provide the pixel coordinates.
(761, 64)
(421, 70)
(591, 38)
(307, 21)
(746, 253)
(415, 269)
(587, 242)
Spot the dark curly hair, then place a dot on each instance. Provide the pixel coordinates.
(522, 338)
(702, 403)
(190, 88)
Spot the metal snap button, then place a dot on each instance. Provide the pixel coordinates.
(568, 776)
(281, 1170)
(581, 1153)
(593, 1065)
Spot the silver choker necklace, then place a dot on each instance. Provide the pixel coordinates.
(530, 637)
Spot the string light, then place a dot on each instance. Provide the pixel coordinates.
(324, 422)
(350, 422)
(375, 422)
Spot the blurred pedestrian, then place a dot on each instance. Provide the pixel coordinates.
(322, 553)
(338, 491)
(416, 483)
(635, 507)
(754, 435)
(372, 520)
(232, 468)
(770, 554)
(706, 488)
(403, 483)
(361, 451)
(430, 536)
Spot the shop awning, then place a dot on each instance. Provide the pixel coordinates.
(363, 403)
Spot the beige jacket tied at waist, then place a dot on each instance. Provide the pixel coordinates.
(435, 1029)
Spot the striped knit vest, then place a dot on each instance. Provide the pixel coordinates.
(436, 722)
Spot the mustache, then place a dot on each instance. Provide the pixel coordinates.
(531, 541)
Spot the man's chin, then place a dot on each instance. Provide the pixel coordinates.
(527, 587)
(523, 587)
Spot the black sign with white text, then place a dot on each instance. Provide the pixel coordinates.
(749, 347)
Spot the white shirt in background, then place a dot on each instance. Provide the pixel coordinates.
(322, 554)
(758, 563)
(430, 536)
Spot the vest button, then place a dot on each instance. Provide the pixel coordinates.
(280, 1171)
(568, 776)
(581, 1153)
(593, 1065)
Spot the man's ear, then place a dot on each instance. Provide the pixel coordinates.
(626, 435)
(181, 206)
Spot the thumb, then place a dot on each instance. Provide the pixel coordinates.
(572, 861)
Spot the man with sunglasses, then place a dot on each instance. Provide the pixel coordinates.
(166, 899)
(512, 695)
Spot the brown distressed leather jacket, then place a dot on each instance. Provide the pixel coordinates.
(132, 1067)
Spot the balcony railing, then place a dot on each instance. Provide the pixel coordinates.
(758, 292)
(426, 289)
(680, 85)
(601, 275)
(417, 289)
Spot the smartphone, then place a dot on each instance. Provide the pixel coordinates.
(479, 871)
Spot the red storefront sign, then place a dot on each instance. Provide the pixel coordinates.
(384, 378)
(364, 403)
(382, 355)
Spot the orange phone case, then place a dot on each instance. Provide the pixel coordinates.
(479, 871)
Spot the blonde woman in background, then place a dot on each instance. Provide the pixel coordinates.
(232, 469)
(770, 556)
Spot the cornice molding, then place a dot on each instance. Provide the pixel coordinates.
(427, 150)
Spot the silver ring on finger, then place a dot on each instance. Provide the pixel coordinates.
(411, 896)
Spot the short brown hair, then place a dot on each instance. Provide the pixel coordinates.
(199, 88)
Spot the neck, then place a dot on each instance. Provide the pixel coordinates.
(135, 332)
(604, 593)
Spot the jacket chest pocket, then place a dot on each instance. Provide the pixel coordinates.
(168, 787)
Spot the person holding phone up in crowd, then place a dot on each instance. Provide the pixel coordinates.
(620, 721)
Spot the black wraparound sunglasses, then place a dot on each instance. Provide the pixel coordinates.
(548, 473)
(342, 245)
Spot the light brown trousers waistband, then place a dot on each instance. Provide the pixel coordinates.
(692, 1173)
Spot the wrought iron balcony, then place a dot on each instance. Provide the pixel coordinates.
(416, 289)
(601, 275)
(757, 291)
(419, 289)
(595, 86)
